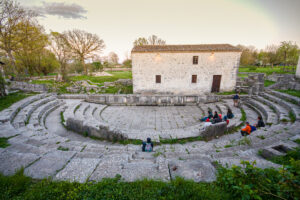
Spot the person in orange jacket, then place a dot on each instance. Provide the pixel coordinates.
(247, 130)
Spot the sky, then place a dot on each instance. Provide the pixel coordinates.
(120, 22)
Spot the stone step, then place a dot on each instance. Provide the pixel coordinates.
(36, 116)
(290, 98)
(22, 118)
(282, 113)
(270, 116)
(289, 106)
(10, 113)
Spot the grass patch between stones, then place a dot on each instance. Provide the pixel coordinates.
(4, 142)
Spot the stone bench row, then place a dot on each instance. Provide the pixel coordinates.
(287, 105)
(282, 113)
(287, 97)
(23, 116)
(266, 112)
(10, 113)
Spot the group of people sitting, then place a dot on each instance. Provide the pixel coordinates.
(249, 128)
(216, 118)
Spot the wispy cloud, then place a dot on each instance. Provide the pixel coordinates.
(61, 9)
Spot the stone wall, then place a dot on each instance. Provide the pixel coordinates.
(284, 82)
(27, 87)
(149, 100)
(253, 84)
(176, 70)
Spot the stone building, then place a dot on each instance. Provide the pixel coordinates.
(298, 69)
(184, 69)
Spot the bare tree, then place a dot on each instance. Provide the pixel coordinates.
(152, 40)
(11, 14)
(84, 45)
(113, 58)
(59, 46)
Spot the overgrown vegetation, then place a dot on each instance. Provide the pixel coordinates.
(295, 93)
(268, 83)
(286, 159)
(3, 142)
(10, 99)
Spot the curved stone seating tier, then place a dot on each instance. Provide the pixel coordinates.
(12, 111)
(269, 115)
(46, 152)
(130, 122)
(23, 117)
(282, 113)
(285, 96)
(287, 105)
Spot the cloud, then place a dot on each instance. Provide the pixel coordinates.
(69, 11)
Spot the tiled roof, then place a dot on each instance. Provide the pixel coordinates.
(185, 48)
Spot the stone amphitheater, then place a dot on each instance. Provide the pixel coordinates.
(54, 136)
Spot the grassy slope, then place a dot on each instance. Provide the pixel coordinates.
(10, 99)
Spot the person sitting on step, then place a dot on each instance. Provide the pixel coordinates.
(147, 146)
(226, 120)
(229, 115)
(247, 130)
(210, 115)
(260, 122)
(217, 118)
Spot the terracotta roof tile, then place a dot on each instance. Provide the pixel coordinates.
(185, 48)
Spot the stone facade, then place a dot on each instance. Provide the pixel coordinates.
(176, 70)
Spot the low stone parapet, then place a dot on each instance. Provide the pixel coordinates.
(27, 87)
(147, 100)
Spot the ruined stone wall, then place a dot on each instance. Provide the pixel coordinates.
(176, 70)
(27, 87)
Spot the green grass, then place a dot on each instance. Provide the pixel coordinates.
(63, 148)
(10, 99)
(3, 142)
(267, 83)
(77, 107)
(244, 116)
(261, 137)
(266, 70)
(292, 117)
(230, 93)
(180, 141)
(247, 182)
(102, 79)
(295, 93)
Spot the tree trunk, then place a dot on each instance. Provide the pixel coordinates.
(12, 61)
(2, 83)
(84, 66)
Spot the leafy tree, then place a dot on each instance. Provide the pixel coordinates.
(11, 15)
(83, 45)
(47, 62)
(152, 40)
(288, 53)
(272, 54)
(127, 63)
(29, 51)
(249, 55)
(98, 66)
